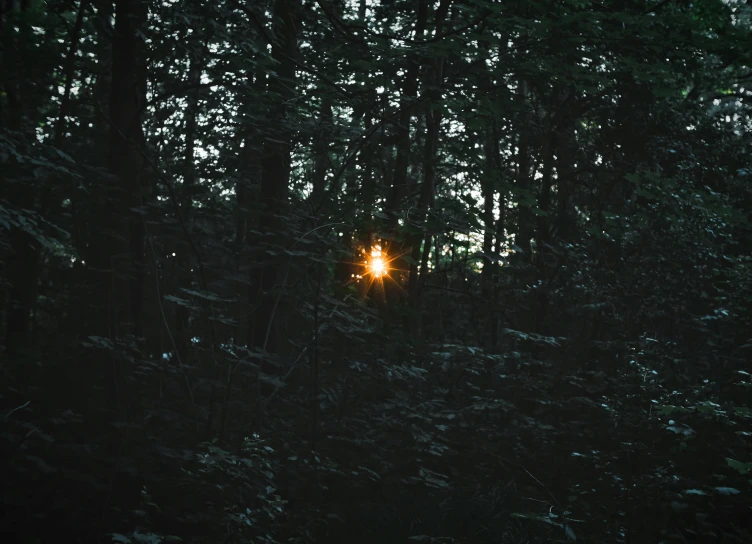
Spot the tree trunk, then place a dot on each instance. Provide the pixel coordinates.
(525, 224)
(433, 125)
(123, 257)
(542, 235)
(566, 180)
(275, 173)
(25, 267)
(394, 246)
(321, 156)
(184, 253)
(70, 60)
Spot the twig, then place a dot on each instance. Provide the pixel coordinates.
(342, 25)
(271, 41)
(541, 484)
(17, 409)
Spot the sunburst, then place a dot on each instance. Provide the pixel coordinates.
(377, 267)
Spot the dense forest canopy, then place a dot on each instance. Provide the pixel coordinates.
(385, 270)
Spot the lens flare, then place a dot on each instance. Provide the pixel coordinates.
(377, 266)
(377, 269)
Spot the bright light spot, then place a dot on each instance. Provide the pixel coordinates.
(378, 266)
(377, 269)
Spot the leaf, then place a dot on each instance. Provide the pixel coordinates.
(669, 409)
(707, 406)
(98, 341)
(694, 492)
(41, 464)
(646, 193)
(536, 338)
(179, 301)
(147, 538)
(539, 212)
(741, 468)
(206, 296)
(121, 538)
(727, 490)
(570, 533)
(65, 156)
(680, 429)
(535, 517)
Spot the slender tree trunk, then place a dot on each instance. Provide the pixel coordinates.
(119, 246)
(433, 125)
(489, 232)
(68, 73)
(489, 201)
(525, 224)
(246, 195)
(542, 234)
(25, 267)
(499, 246)
(565, 180)
(433, 121)
(321, 156)
(124, 258)
(362, 192)
(396, 196)
(275, 172)
(185, 256)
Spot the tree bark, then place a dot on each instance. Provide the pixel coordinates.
(121, 252)
(275, 173)
(525, 225)
(184, 254)
(396, 196)
(321, 156)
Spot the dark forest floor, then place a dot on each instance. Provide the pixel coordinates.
(509, 451)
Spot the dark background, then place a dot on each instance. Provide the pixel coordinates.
(194, 348)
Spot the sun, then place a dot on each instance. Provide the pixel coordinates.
(377, 266)
(377, 269)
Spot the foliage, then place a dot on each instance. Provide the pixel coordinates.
(195, 348)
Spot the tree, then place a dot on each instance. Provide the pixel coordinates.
(198, 346)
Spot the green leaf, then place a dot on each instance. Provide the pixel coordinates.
(741, 468)
(669, 409)
(727, 490)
